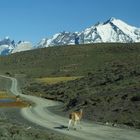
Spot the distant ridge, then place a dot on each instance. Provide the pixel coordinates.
(8, 46)
(111, 31)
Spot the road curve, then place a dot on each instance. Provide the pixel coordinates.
(40, 115)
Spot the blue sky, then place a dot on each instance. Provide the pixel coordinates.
(33, 20)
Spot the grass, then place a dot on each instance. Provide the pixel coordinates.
(4, 94)
(55, 80)
(108, 89)
(70, 60)
(20, 104)
(112, 94)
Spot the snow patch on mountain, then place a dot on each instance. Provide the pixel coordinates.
(113, 30)
(22, 46)
(63, 38)
(7, 46)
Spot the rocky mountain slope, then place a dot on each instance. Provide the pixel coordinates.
(112, 30)
(22, 46)
(8, 46)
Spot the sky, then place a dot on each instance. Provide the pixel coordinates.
(32, 20)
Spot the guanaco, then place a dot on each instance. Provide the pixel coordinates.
(75, 117)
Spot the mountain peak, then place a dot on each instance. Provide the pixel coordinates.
(113, 30)
(8, 46)
(7, 37)
(110, 20)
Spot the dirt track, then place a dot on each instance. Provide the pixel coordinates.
(40, 115)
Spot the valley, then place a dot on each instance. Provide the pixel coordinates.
(69, 70)
(42, 116)
(103, 79)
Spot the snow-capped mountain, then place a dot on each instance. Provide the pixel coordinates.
(63, 38)
(22, 46)
(113, 30)
(7, 46)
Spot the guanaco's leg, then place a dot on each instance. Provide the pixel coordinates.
(79, 122)
(69, 123)
(75, 123)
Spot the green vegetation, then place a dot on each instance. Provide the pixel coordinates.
(109, 89)
(69, 61)
(110, 95)
(9, 130)
(4, 84)
(54, 80)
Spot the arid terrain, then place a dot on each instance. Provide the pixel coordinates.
(40, 115)
(101, 79)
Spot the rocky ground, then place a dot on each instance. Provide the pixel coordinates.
(110, 95)
(11, 131)
(14, 127)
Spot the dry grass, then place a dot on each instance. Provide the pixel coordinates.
(19, 104)
(4, 95)
(54, 80)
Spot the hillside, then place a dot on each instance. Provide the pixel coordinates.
(69, 61)
(110, 95)
(108, 90)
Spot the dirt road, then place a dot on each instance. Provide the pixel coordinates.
(40, 115)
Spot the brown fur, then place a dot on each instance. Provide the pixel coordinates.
(74, 117)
